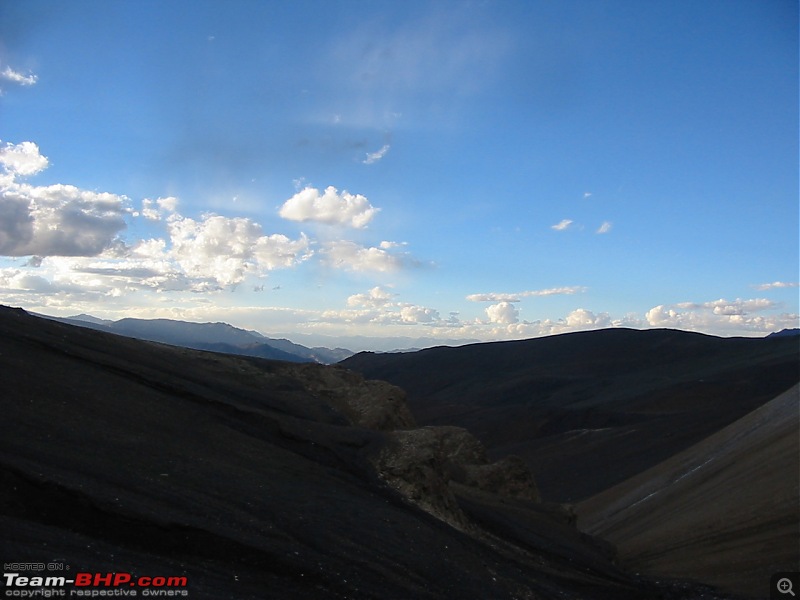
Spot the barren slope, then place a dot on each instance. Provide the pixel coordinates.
(725, 511)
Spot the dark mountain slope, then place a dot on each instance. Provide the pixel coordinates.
(723, 511)
(258, 479)
(589, 410)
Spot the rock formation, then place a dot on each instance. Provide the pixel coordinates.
(422, 464)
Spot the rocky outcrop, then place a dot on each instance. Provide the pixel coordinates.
(422, 464)
(370, 404)
(425, 465)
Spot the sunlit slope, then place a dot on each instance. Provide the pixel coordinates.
(725, 511)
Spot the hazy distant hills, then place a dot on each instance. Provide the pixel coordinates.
(216, 337)
(221, 337)
(588, 410)
(263, 479)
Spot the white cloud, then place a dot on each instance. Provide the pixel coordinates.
(330, 208)
(22, 159)
(377, 297)
(385, 315)
(155, 210)
(776, 285)
(278, 251)
(226, 250)
(585, 319)
(516, 297)
(494, 297)
(418, 314)
(58, 220)
(605, 227)
(10, 74)
(374, 157)
(351, 256)
(11, 279)
(54, 220)
(503, 313)
(730, 307)
(562, 225)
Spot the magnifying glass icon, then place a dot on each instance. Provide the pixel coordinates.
(785, 586)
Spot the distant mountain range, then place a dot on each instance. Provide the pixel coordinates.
(225, 338)
(222, 337)
(215, 337)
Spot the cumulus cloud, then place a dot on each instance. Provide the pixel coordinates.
(586, 319)
(22, 159)
(418, 314)
(12, 279)
(329, 207)
(374, 157)
(562, 225)
(503, 313)
(517, 297)
(385, 315)
(377, 297)
(201, 255)
(54, 220)
(227, 249)
(605, 227)
(348, 255)
(58, 220)
(776, 285)
(13, 76)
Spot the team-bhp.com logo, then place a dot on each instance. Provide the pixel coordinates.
(93, 585)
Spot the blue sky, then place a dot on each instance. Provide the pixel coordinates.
(456, 170)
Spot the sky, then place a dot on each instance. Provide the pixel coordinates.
(454, 170)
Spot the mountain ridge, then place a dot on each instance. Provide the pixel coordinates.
(216, 337)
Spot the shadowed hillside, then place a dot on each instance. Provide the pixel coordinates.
(259, 479)
(588, 410)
